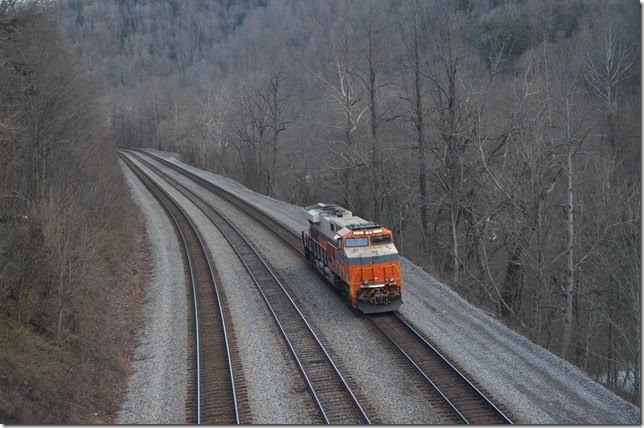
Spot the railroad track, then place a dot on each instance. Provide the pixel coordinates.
(463, 400)
(466, 402)
(216, 366)
(336, 402)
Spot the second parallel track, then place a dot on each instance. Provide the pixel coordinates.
(336, 402)
(464, 401)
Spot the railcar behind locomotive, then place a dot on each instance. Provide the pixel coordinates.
(357, 256)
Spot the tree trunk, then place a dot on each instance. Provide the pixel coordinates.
(422, 167)
(373, 109)
(157, 122)
(612, 131)
(510, 289)
(273, 172)
(610, 379)
(375, 167)
(454, 219)
(570, 282)
(346, 172)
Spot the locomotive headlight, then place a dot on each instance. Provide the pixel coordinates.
(391, 279)
(365, 282)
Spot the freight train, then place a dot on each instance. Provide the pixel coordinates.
(356, 256)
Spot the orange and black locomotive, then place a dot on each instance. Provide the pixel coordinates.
(357, 256)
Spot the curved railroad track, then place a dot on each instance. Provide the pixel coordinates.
(463, 401)
(336, 402)
(214, 398)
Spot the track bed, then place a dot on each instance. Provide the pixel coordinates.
(461, 399)
(214, 397)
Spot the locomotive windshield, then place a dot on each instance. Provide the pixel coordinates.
(379, 240)
(357, 242)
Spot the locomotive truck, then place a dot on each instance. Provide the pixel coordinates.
(356, 256)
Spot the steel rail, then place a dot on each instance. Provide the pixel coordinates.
(435, 350)
(159, 194)
(290, 237)
(204, 206)
(423, 374)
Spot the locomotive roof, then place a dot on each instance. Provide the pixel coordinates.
(341, 217)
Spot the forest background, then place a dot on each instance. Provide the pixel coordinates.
(499, 139)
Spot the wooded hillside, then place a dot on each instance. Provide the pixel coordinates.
(63, 231)
(500, 139)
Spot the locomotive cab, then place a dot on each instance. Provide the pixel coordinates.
(357, 256)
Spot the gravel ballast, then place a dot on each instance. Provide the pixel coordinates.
(276, 392)
(360, 352)
(536, 385)
(156, 391)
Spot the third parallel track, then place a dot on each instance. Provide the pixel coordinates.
(464, 401)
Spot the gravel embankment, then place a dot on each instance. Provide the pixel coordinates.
(536, 385)
(362, 353)
(156, 391)
(275, 389)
